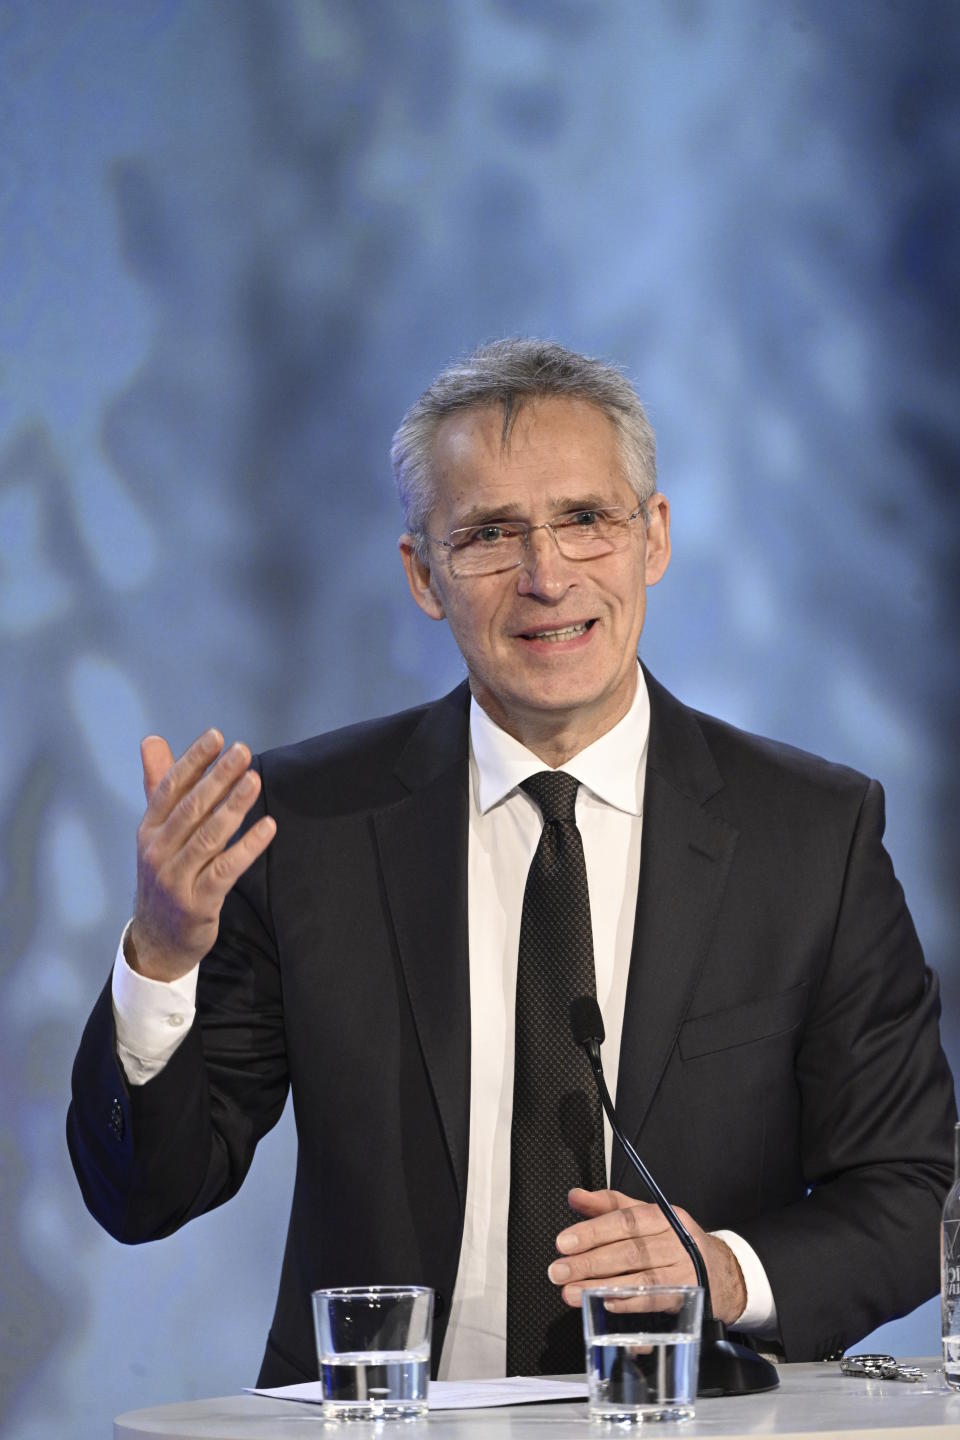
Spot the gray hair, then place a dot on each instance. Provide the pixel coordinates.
(508, 373)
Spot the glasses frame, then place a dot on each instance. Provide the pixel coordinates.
(525, 530)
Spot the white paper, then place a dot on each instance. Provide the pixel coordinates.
(459, 1394)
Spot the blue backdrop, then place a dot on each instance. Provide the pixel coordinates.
(237, 237)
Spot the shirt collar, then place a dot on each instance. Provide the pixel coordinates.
(613, 768)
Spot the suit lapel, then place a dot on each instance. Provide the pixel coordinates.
(685, 861)
(422, 841)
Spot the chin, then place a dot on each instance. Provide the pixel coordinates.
(561, 699)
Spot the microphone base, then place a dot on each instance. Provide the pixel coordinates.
(727, 1368)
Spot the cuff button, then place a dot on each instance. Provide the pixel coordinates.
(116, 1122)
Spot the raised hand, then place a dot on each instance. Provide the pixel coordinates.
(628, 1242)
(185, 866)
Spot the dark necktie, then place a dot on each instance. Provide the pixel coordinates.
(557, 1133)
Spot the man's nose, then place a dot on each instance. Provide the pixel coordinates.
(544, 570)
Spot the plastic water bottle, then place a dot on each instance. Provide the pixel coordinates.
(950, 1273)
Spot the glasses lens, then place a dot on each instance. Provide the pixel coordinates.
(589, 533)
(484, 552)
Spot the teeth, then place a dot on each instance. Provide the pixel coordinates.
(569, 633)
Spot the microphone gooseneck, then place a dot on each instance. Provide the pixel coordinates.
(726, 1368)
(586, 1022)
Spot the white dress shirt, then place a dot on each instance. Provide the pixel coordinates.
(152, 1018)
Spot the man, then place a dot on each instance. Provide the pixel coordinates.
(371, 938)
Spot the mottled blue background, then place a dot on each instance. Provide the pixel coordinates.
(236, 240)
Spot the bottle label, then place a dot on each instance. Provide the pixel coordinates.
(951, 1259)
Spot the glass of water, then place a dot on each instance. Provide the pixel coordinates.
(643, 1351)
(373, 1350)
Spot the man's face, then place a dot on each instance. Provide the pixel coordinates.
(551, 646)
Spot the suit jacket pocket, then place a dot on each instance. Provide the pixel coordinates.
(743, 1024)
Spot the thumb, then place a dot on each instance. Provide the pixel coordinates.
(156, 758)
(592, 1202)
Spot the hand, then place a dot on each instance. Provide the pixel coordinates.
(627, 1242)
(184, 867)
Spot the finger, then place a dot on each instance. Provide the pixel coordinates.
(598, 1202)
(619, 1258)
(680, 1273)
(171, 783)
(226, 868)
(638, 1252)
(197, 807)
(572, 1295)
(156, 758)
(612, 1223)
(657, 1260)
(215, 827)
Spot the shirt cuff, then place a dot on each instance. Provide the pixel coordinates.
(759, 1315)
(151, 1017)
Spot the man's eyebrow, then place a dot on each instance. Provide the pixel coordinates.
(560, 505)
(592, 500)
(484, 514)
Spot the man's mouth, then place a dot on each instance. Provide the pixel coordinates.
(568, 632)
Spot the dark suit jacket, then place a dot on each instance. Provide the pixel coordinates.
(780, 1069)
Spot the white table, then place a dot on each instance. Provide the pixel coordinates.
(812, 1399)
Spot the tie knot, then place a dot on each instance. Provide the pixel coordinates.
(556, 793)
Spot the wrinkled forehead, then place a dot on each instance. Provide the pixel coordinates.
(543, 444)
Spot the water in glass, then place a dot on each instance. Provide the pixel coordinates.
(642, 1377)
(375, 1384)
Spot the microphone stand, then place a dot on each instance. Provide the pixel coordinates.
(726, 1368)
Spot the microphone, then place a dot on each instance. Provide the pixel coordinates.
(726, 1368)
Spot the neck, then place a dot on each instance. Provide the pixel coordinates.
(554, 736)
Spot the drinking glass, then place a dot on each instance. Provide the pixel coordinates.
(373, 1351)
(643, 1351)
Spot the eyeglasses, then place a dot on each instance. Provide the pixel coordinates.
(503, 544)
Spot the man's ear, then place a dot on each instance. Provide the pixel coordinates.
(420, 579)
(658, 537)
